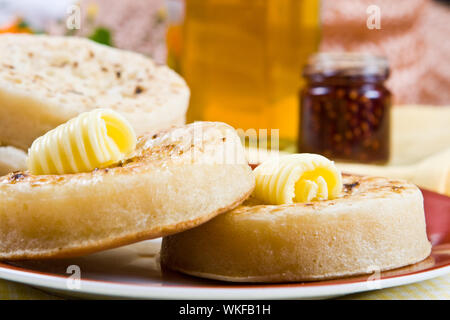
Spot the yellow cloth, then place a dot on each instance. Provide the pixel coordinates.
(15, 291)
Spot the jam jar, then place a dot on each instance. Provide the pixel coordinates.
(345, 107)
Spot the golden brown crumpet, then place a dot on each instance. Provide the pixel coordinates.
(47, 80)
(376, 224)
(174, 181)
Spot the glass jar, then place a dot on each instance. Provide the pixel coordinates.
(345, 107)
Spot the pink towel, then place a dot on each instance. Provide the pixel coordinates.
(413, 35)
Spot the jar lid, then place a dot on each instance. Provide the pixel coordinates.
(346, 64)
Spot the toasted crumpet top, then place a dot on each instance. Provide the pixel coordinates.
(75, 75)
(355, 189)
(198, 143)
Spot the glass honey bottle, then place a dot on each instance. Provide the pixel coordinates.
(241, 60)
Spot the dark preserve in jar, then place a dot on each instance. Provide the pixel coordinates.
(345, 107)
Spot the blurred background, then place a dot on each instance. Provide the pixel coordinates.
(414, 33)
(243, 60)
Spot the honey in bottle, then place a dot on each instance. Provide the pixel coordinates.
(241, 60)
(345, 108)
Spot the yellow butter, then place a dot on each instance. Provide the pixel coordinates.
(91, 140)
(300, 177)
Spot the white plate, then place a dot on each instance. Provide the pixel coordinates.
(133, 272)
